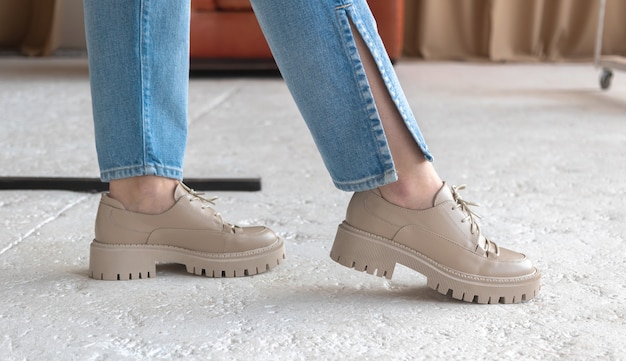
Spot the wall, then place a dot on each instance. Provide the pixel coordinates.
(72, 30)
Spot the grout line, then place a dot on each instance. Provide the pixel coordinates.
(40, 225)
(215, 103)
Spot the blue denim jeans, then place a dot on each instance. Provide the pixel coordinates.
(138, 59)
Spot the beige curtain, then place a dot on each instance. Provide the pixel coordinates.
(31, 26)
(512, 30)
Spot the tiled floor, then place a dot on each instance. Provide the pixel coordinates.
(540, 146)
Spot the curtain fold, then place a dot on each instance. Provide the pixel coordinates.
(42, 37)
(31, 26)
(512, 30)
(450, 29)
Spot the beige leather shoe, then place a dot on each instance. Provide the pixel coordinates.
(129, 245)
(444, 243)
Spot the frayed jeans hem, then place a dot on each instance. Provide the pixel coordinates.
(368, 183)
(137, 171)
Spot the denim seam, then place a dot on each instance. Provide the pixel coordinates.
(391, 89)
(368, 182)
(144, 86)
(370, 110)
(339, 7)
(365, 179)
(366, 92)
(140, 170)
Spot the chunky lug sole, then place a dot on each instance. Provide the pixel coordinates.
(378, 256)
(129, 262)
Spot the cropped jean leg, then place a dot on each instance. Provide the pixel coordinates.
(139, 70)
(314, 47)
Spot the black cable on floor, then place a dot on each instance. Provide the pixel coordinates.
(94, 185)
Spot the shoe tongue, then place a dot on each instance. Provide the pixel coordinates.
(444, 195)
(180, 191)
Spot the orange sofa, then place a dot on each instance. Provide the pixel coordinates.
(225, 33)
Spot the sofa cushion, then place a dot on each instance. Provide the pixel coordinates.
(203, 5)
(233, 5)
(235, 34)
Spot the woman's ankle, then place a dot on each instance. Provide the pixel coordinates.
(144, 194)
(418, 194)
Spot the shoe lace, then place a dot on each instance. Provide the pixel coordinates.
(208, 203)
(471, 217)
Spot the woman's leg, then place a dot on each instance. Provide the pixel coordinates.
(139, 69)
(138, 61)
(350, 97)
(337, 70)
(314, 47)
(418, 182)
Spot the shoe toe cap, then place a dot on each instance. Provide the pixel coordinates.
(251, 238)
(511, 264)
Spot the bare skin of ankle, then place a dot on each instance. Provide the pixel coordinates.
(145, 194)
(418, 182)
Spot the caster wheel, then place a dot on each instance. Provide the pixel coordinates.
(605, 79)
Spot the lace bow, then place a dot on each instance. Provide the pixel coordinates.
(207, 203)
(471, 217)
